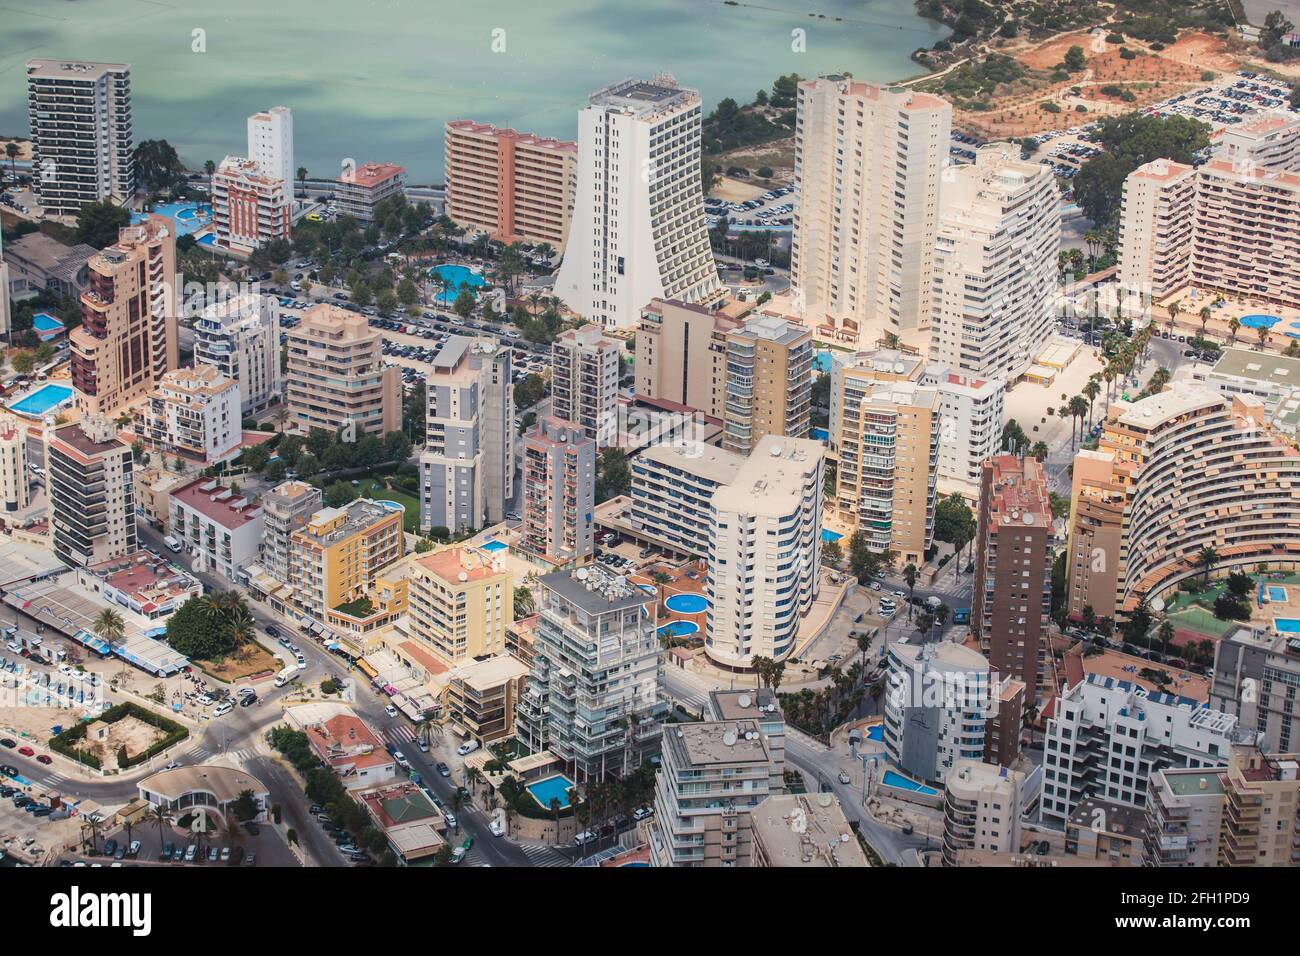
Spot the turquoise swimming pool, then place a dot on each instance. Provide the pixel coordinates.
(679, 628)
(687, 603)
(891, 779)
(493, 546)
(1276, 594)
(46, 326)
(1286, 625)
(42, 400)
(189, 217)
(456, 277)
(552, 788)
(876, 733)
(829, 536)
(1259, 321)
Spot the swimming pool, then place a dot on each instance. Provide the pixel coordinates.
(1259, 321)
(189, 217)
(1276, 594)
(46, 326)
(679, 628)
(819, 434)
(822, 361)
(876, 733)
(552, 788)
(493, 546)
(1286, 625)
(687, 603)
(455, 277)
(829, 536)
(42, 400)
(891, 779)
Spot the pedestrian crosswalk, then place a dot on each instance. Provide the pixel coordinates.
(543, 855)
(205, 752)
(400, 734)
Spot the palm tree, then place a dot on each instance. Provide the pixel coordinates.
(209, 167)
(1174, 309)
(1206, 558)
(1091, 388)
(1205, 318)
(302, 180)
(96, 827)
(1234, 324)
(555, 813)
(1263, 334)
(1166, 633)
(508, 811)
(161, 818)
(910, 575)
(11, 150)
(1078, 409)
(110, 628)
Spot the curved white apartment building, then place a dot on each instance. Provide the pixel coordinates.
(994, 293)
(1174, 473)
(637, 232)
(764, 549)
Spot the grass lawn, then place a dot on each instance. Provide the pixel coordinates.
(371, 488)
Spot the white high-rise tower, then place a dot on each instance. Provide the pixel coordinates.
(638, 230)
(270, 144)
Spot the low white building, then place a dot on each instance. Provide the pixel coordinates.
(219, 527)
(1105, 738)
(240, 338)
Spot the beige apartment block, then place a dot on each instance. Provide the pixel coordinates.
(982, 806)
(336, 375)
(516, 187)
(1172, 474)
(868, 164)
(1265, 141)
(584, 382)
(769, 382)
(194, 412)
(1246, 240)
(460, 604)
(994, 291)
(361, 189)
(1155, 229)
(249, 207)
(127, 338)
(91, 489)
(14, 492)
(681, 354)
(886, 432)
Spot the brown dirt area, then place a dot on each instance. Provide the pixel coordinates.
(251, 659)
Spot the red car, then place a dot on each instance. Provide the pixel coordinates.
(27, 751)
(44, 758)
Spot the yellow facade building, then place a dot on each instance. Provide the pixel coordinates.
(336, 558)
(460, 605)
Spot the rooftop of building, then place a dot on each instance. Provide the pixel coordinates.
(290, 491)
(100, 441)
(196, 380)
(903, 96)
(330, 320)
(595, 589)
(590, 336)
(892, 362)
(551, 430)
(48, 254)
(358, 516)
(983, 776)
(740, 704)
(705, 461)
(1018, 492)
(1107, 816)
(224, 783)
(773, 328)
(369, 175)
(486, 675)
(806, 830)
(942, 656)
(643, 97)
(1259, 367)
(460, 566)
(1190, 783)
(1147, 413)
(1279, 178)
(719, 742)
(902, 394)
(145, 577)
(346, 738)
(216, 502)
(519, 138)
(773, 478)
(248, 170)
(74, 69)
(1161, 170)
(398, 804)
(1124, 667)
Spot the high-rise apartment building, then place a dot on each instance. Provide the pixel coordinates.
(1155, 228)
(1191, 454)
(593, 698)
(194, 413)
(885, 430)
(712, 775)
(240, 338)
(769, 383)
(982, 806)
(559, 492)
(801, 830)
(338, 554)
(638, 230)
(1106, 737)
(764, 552)
(14, 492)
(1246, 237)
(760, 705)
(83, 142)
(994, 288)
(460, 604)
(249, 207)
(285, 509)
(1244, 814)
(336, 376)
(938, 702)
(270, 145)
(467, 466)
(672, 494)
(127, 339)
(868, 164)
(91, 490)
(361, 189)
(1011, 604)
(584, 382)
(514, 186)
(1256, 678)
(681, 355)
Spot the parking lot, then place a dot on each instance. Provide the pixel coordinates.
(256, 844)
(774, 208)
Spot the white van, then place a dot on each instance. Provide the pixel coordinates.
(285, 676)
(172, 544)
(223, 708)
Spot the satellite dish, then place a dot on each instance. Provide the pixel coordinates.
(743, 700)
(730, 738)
(1157, 604)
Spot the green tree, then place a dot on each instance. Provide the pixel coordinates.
(613, 477)
(911, 575)
(1074, 59)
(157, 166)
(98, 223)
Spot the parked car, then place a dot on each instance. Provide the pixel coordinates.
(443, 769)
(390, 710)
(468, 747)
(496, 827)
(27, 751)
(44, 758)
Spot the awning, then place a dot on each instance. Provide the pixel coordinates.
(364, 666)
